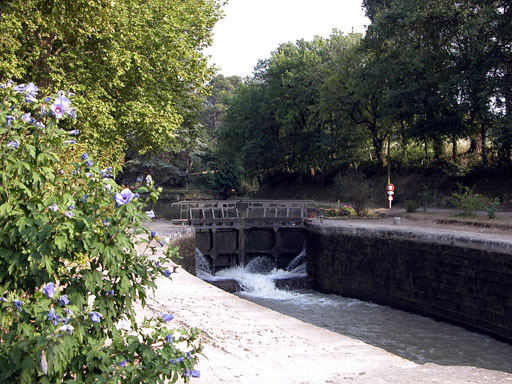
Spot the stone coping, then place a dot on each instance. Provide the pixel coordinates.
(473, 240)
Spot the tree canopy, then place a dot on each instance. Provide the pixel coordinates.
(427, 74)
(136, 67)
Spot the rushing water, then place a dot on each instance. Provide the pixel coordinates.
(416, 338)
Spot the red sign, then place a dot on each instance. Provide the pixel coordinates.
(390, 187)
(390, 198)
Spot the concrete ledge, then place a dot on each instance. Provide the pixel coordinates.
(486, 242)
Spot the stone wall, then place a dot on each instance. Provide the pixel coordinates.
(184, 238)
(462, 279)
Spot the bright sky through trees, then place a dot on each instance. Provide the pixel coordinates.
(252, 29)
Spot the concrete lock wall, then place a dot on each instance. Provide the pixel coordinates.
(458, 279)
(184, 238)
(227, 247)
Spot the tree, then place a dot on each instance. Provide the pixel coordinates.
(137, 68)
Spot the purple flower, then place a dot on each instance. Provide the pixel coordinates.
(167, 317)
(107, 172)
(168, 338)
(149, 180)
(63, 300)
(111, 293)
(13, 144)
(72, 206)
(53, 207)
(9, 120)
(95, 316)
(84, 156)
(19, 88)
(161, 242)
(105, 223)
(59, 106)
(49, 290)
(124, 197)
(31, 88)
(65, 328)
(89, 163)
(29, 98)
(122, 363)
(189, 355)
(167, 273)
(51, 315)
(74, 132)
(48, 99)
(150, 214)
(154, 234)
(57, 320)
(69, 214)
(3, 299)
(69, 142)
(71, 112)
(26, 117)
(84, 198)
(17, 303)
(192, 372)
(39, 124)
(8, 84)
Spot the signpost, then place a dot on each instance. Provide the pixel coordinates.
(390, 189)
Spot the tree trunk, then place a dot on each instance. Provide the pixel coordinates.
(377, 146)
(454, 149)
(438, 148)
(483, 149)
(505, 139)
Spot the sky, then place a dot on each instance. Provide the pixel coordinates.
(252, 29)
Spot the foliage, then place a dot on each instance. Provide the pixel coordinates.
(224, 181)
(411, 206)
(340, 211)
(69, 267)
(289, 118)
(492, 207)
(357, 190)
(426, 197)
(427, 74)
(137, 68)
(466, 200)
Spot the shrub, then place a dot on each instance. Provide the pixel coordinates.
(411, 206)
(356, 189)
(426, 197)
(340, 211)
(69, 269)
(492, 207)
(466, 200)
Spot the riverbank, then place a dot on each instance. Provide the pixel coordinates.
(246, 343)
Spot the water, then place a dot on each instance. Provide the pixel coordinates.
(416, 338)
(259, 285)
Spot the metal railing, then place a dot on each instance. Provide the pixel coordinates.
(237, 212)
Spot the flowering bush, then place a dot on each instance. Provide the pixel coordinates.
(69, 269)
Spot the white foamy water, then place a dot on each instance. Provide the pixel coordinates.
(259, 285)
